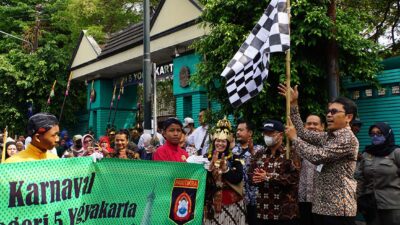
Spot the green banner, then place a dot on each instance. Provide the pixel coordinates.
(111, 191)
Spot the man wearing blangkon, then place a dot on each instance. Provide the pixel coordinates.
(43, 128)
(334, 200)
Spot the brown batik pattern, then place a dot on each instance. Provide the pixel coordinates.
(335, 185)
(276, 198)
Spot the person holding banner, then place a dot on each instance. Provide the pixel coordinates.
(171, 151)
(334, 200)
(121, 150)
(224, 188)
(43, 128)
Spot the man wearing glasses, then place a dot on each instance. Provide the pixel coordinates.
(334, 200)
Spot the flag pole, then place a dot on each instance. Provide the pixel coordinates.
(288, 149)
(65, 97)
(111, 105)
(3, 154)
(121, 91)
(90, 103)
(51, 92)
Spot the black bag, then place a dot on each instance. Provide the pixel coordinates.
(367, 206)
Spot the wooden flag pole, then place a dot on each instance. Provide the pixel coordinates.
(65, 97)
(111, 105)
(90, 103)
(51, 92)
(3, 154)
(288, 149)
(121, 91)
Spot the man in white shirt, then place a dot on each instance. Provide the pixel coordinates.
(200, 137)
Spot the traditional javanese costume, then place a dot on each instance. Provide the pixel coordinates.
(224, 190)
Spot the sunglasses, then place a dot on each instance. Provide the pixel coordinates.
(333, 111)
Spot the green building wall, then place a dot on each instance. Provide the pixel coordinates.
(100, 109)
(191, 99)
(378, 105)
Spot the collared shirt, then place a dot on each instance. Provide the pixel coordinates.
(306, 184)
(170, 152)
(31, 153)
(245, 157)
(196, 139)
(335, 186)
(277, 197)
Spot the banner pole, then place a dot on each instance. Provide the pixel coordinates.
(3, 154)
(288, 148)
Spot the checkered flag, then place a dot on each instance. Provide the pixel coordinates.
(248, 69)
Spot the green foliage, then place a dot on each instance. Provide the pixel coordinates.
(311, 29)
(28, 77)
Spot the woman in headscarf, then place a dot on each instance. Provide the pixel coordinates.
(90, 148)
(68, 141)
(224, 190)
(105, 145)
(379, 182)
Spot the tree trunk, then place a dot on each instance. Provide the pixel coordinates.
(333, 57)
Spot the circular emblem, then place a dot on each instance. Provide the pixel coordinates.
(184, 76)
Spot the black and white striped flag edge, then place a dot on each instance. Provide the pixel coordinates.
(248, 69)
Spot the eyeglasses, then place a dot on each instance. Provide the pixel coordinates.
(334, 111)
(375, 134)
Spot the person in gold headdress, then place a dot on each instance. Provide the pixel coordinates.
(224, 190)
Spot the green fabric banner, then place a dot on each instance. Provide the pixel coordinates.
(111, 191)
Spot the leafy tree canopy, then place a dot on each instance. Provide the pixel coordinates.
(54, 25)
(231, 21)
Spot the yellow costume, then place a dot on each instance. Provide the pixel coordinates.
(31, 153)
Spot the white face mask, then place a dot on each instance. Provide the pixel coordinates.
(269, 141)
(186, 130)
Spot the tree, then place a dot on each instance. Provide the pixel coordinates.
(55, 24)
(383, 19)
(310, 32)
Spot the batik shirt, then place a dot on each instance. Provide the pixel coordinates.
(245, 156)
(306, 184)
(335, 186)
(276, 197)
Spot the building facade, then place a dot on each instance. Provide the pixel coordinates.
(378, 104)
(174, 27)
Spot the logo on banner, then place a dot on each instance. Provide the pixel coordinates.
(183, 200)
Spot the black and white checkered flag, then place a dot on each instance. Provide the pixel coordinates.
(248, 69)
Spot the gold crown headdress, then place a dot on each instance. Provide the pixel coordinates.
(223, 130)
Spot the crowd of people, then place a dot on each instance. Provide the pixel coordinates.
(320, 179)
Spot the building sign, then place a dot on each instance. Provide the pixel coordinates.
(163, 72)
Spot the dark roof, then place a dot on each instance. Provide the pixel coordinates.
(123, 40)
(133, 35)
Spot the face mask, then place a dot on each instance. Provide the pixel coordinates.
(186, 130)
(378, 140)
(269, 141)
